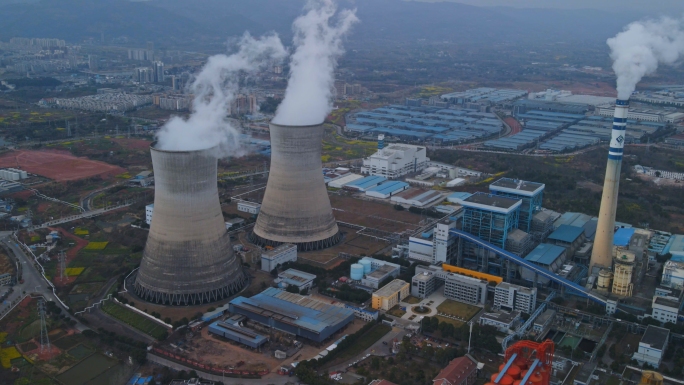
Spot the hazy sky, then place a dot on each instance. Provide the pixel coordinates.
(632, 5)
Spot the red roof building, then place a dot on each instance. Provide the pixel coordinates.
(460, 371)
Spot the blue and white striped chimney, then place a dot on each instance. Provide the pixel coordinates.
(602, 254)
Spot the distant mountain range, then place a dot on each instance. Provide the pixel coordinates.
(198, 21)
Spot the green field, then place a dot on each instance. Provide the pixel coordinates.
(364, 342)
(412, 300)
(396, 311)
(454, 322)
(138, 321)
(458, 309)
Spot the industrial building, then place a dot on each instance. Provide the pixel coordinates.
(529, 193)
(341, 182)
(390, 295)
(364, 184)
(652, 346)
(292, 313)
(249, 207)
(665, 309)
(149, 210)
(363, 313)
(417, 197)
(296, 207)
(550, 257)
(435, 246)
(503, 321)
(299, 279)
(490, 217)
(376, 277)
(270, 259)
(623, 268)
(188, 259)
(569, 237)
(235, 332)
(673, 273)
(387, 189)
(396, 160)
(511, 297)
(543, 321)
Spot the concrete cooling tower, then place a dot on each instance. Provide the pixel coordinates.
(188, 258)
(296, 208)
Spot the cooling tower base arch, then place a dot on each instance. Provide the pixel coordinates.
(302, 246)
(190, 299)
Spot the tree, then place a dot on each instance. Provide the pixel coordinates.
(274, 272)
(292, 289)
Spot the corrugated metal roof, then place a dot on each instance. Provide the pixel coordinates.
(366, 182)
(545, 254)
(623, 236)
(566, 233)
(389, 187)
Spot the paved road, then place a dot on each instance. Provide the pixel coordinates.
(377, 349)
(33, 280)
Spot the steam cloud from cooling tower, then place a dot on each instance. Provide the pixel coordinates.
(215, 88)
(318, 42)
(637, 51)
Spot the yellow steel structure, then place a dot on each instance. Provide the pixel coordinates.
(472, 273)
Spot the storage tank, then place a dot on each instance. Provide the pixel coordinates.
(649, 377)
(366, 265)
(535, 379)
(622, 276)
(505, 380)
(605, 278)
(296, 208)
(356, 272)
(188, 259)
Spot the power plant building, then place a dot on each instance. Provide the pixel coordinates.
(673, 273)
(652, 346)
(530, 193)
(278, 256)
(623, 268)
(387, 189)
(364, 184)
(490, 217)
(296, 208)
(188, 258)
(396, 160)
(292, 277)
(569, 237)
(294, 314)
(665, 309)
(550, 257)
(416, 197)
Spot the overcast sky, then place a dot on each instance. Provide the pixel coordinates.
(649, 6)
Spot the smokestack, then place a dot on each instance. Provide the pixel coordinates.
(602, 253)
(296, 208)
(188, 259)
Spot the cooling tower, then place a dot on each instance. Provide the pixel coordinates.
(188, 258)
(602, 253)
(296, 208)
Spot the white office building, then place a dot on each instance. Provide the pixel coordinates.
(652, 345)
(503, 321)
(511, 297)
(465, 289)
(395, 161)
(272, 258)
(423, 284)
(149, 209)
(438, 248)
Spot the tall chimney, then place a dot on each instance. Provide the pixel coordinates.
(296, 208)
(602, 254)
(188, 258)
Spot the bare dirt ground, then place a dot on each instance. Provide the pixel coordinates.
(58, 165)
(211, 350)
(352, 243)
(373, 214)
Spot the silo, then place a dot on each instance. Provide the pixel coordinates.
(296, 208)
(622, 273)
(605, 278)
(188, 258)
(366, 265)
(356, 272)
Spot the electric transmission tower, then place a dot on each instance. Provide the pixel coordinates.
(44, 340)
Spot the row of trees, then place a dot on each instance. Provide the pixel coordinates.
(484, 337)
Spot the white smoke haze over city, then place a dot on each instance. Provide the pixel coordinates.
(641, 47)
(214, 89)
(318, 36)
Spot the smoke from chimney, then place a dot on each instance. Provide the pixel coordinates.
(318, 42)
(215, 88)
(637, 51)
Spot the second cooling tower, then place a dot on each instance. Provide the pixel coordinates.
(296, 208)
(188, 258)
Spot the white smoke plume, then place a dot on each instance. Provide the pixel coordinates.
(215, 88)
(637, 51)
(318, 42)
